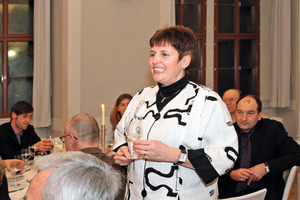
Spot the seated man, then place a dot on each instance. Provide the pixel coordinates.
(230, 98)
(266, 151)
(81, 133)
(19, 134)
(73, 176)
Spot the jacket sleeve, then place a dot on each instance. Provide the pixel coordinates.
(220, 143)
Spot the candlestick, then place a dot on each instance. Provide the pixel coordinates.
(103, 114)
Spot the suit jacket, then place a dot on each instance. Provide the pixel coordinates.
(110, 161)
(270, 143)
(9, 144)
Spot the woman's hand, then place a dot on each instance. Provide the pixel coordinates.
(121, 156)
(155, 150)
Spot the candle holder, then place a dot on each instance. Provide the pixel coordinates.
(102, 138)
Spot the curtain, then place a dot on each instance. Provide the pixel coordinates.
(41, 73)
(281, 53)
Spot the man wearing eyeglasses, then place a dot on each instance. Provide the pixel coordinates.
(81, 133)
(19, 134)
(230, 98)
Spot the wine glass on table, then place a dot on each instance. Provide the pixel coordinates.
(15, 171)
(25, 156)
(33, 150)
(134, 132)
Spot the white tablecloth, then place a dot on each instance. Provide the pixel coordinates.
(16, 193)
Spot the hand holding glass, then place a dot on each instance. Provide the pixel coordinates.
(134, 132)
(15, 171)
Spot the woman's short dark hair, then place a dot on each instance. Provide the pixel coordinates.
(21, 107)
(179, 37)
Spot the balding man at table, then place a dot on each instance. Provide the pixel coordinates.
(81, 133)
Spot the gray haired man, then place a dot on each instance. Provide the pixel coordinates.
(73, 176)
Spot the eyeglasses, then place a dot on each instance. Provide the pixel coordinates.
(229, 100)
(62, 138)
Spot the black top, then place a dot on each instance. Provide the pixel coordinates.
(167, 93)
(9, 144)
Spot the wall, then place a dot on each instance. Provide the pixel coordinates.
(100, 50)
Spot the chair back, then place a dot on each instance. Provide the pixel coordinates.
(288, 177)
(258, 195)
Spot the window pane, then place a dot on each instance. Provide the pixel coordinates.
(20, 15)
(192, 1)
(248, 2)
(19, 89)
(192, 17)
(248, 79)
(225, 80)
(226, 1)
(195, 68)
(226, 53)
(20, 58)
(195, 76)
(248, 51)
(225, 19)
(247, 19)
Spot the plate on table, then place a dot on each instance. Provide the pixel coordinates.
(11, 178)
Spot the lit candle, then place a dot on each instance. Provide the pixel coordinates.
(103, 114)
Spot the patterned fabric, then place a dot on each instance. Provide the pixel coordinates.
(197, 119)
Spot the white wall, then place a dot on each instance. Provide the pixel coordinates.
(100, 49)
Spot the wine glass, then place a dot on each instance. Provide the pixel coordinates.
(15, 171)
(40, 154)
(57, 145)
(134, 132)
(25, 155)
(33, 150)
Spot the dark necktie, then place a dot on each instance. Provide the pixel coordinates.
(245, 158)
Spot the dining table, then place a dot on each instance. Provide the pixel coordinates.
(23, 180)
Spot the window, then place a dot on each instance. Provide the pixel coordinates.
(16, 47)
(192, 14)
(236, 55)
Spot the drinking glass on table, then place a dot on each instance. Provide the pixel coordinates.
(134, 132)
(57, 145)
(25, 156)
(15, 171)
(33, 150)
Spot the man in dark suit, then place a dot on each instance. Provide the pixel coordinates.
(19, 134)
(265, 151)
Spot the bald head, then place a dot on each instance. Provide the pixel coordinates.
(85, 129)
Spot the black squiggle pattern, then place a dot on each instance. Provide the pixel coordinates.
(148, 104)
(196, 92)
(150, 111)
(227, 149)
(154, 188)
(177, 115)
(211, 98)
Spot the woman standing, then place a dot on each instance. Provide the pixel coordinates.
(188, 139)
